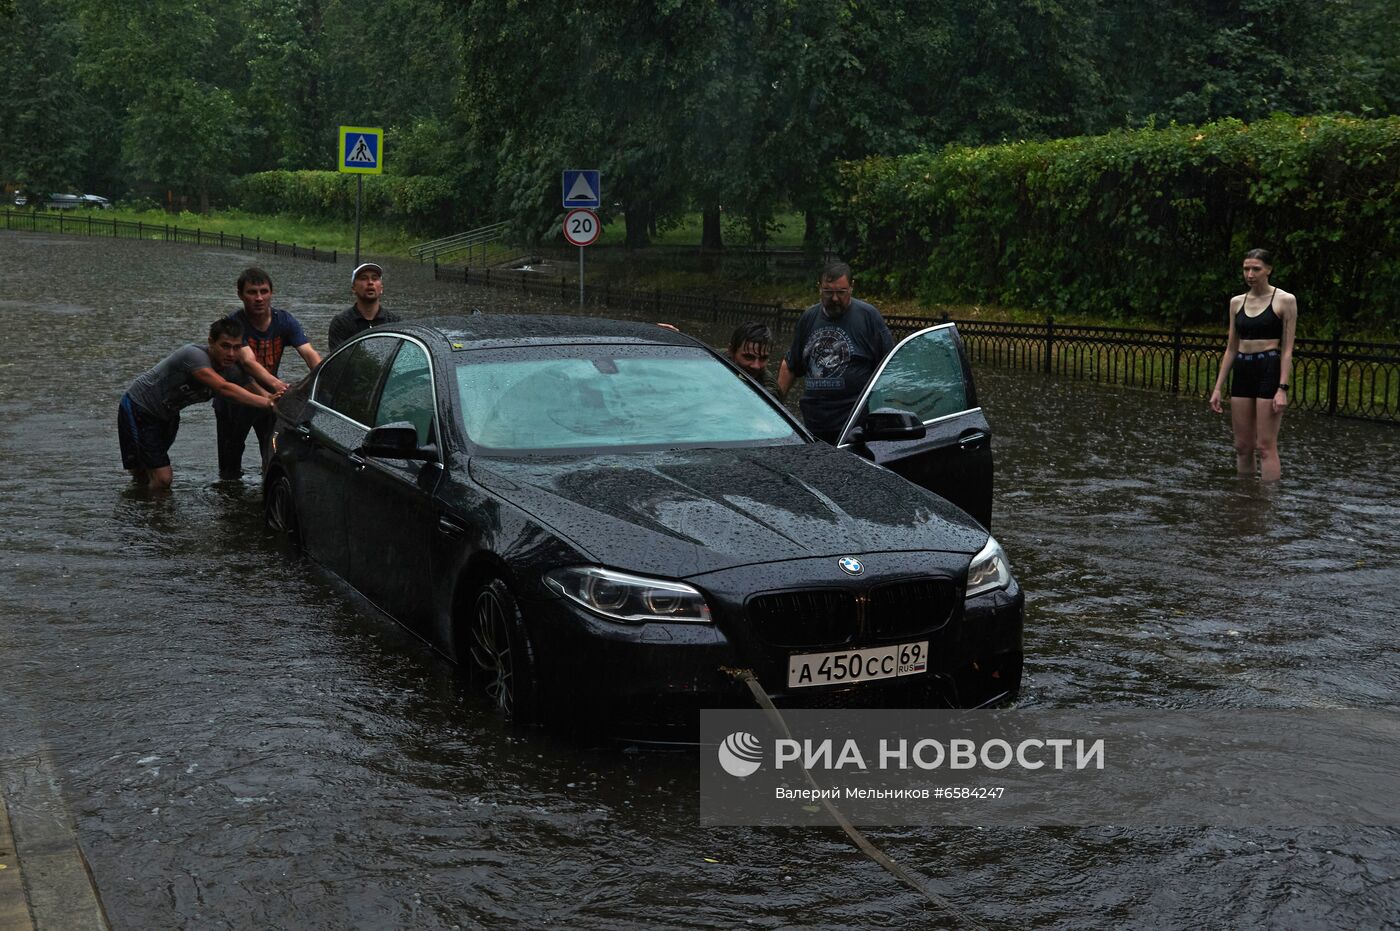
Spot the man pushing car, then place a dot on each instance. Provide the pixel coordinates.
(149, 415)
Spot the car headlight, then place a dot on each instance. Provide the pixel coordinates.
(630, 598)
(989, 570)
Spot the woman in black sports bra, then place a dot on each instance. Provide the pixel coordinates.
(1260, 354)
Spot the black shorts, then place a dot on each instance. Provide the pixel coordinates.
(1255, 374)
(145, 440)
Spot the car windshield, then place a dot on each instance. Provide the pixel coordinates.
(560, 398)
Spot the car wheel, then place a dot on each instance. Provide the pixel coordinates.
(995, 682)
(279, 506)
(500, 654)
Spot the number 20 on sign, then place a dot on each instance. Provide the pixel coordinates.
(581, 227)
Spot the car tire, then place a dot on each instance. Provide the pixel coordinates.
(498, 651)
(279, 506)
(997, 684)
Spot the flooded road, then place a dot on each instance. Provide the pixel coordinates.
(242, 746)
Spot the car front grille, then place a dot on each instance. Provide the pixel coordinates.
(834, 617)
(802, 618)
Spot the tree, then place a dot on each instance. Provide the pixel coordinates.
(164, 62)
(184, 134)
(280, 85)
(45, 145)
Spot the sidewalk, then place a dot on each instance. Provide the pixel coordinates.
(45, 884)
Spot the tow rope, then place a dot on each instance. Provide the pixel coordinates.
(859, 839)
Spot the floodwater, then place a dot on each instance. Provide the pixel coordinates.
(242, 746)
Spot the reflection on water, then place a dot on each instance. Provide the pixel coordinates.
(245, 746)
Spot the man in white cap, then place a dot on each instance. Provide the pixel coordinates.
(367, 284)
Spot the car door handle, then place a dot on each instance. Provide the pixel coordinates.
(356, 462)
(449, 527)
(972, 438)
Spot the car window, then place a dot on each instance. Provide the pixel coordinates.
(328, 377)
(347, 382)
(408, 393)
(609, 396)
(924, 376)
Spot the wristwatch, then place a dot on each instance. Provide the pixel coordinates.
(1283, 388)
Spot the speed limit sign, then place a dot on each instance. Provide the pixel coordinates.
(581, 227)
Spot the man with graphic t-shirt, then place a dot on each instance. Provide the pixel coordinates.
(836, 346)
(149, 414)
(267, 331)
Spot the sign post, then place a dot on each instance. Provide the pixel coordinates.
(581, 228)
(583, 192)
(361, 153)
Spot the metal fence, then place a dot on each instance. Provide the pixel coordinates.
(90, 225)
(469, 242)
(1345, 378)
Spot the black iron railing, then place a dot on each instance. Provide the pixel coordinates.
(90, 225)
(1345, 378)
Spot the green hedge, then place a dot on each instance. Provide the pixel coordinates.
(1149, 224)
(424, 204)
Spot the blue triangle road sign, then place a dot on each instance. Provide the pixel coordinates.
(582, 187)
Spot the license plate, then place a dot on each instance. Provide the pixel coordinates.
(845, 667)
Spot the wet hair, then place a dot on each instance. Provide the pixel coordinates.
(225, 326)
(751, 332)
(1263, 255)
(836, 270)
(253, 275)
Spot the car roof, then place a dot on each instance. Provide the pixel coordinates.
(488, 331)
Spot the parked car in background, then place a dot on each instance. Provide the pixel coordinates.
(97, 202)
(21, 199)
(599, 518)
(65, 201)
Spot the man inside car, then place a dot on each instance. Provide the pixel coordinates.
(749, 348)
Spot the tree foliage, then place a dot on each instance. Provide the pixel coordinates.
(738, 108)
(45, 115)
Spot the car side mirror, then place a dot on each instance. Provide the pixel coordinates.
(887, 423)
(396, 441)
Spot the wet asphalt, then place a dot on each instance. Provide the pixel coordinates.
(241, 744)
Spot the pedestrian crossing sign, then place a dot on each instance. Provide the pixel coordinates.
(361, 149)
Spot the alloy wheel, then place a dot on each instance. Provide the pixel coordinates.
(491, 651)
(281, 510)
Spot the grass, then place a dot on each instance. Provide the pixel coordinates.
(375, 238)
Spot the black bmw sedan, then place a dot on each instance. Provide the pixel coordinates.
(605, 518)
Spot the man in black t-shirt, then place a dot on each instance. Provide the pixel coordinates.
(836, 346)
(367, 284)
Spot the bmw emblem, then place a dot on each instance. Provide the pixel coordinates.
(850, 565)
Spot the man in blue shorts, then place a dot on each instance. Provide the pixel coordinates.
(836, 345)
(149, 414)
(267, 331)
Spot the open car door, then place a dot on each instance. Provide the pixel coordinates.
(928, 375)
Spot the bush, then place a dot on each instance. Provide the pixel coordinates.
(422, 204)
(1150, 224)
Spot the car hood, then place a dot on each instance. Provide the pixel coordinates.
(683, 513)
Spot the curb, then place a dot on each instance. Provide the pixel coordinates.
(45, 882)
